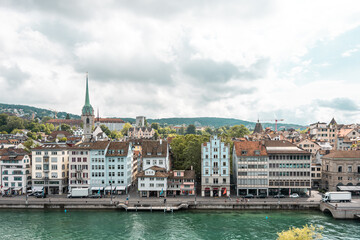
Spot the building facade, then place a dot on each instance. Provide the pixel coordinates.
(215, 168)
(141, 133)
(181, 182)
(341, 168)
(154, 153)
(289, 168)
(98, 166)
(250, 168)
(15, 171)
(50, 168)
(79, 166)
(152, 182)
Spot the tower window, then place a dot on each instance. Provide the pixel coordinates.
(87, 121)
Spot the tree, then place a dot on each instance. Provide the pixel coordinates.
(305, 233)
(209, 130)
(156, 135)
(28, 144)
(238, 131)
(115, 134)
(45, 119)
(63, 139)
(105, 129)
(31, 135)
(191, 129)
(125, 129)
(65, 127)
(67, 116)
(155, 126)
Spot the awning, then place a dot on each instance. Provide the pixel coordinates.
(17, 188)
(120, 188)
(5, 189)
(108, 188)
(38, 189)
(97, 188)
(349, 188)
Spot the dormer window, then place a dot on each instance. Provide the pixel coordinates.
(257, 152)
(243, 152)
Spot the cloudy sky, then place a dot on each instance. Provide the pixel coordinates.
(296, 60)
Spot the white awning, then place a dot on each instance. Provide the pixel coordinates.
(108, 188)
(5, 189)
(17, 188)
(97, 188)
(38, 189)
(349, 188)
(120, 188)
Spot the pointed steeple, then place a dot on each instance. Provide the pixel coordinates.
(87, 99)
(87, 109)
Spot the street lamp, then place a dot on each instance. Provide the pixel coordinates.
(111, 202)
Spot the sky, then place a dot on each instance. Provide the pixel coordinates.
(292, 60)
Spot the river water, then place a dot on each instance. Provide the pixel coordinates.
(91, 224)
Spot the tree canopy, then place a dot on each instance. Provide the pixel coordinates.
(305, 233)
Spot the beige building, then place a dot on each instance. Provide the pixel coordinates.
(289, 168)
(341, 168)
(324, 132)
(315, 175)
(79, 166)
(141, 132)
(50, 164)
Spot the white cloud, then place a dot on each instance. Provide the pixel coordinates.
(156, 58)
(349, 52)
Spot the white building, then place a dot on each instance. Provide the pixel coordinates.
(215, 168)
(155, 153)
(153, 182)
(50, 168)
(15, 171)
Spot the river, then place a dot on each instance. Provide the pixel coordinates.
(91, 224)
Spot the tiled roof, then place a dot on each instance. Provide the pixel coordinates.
(109, 120)
(54, 134)
(343, 154)
(283, 147)
(159, 172)
(65, 121)
(118, 149)
(188, 174)
(153, 148)
(250, 148)
(12, 154)
(52, 146)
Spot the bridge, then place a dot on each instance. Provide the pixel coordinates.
(342, 210)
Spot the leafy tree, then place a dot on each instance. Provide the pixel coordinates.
(155, 126)
(209, 131)
(67, 116)
(105, 129)
(39, 137)
(191, 129)
(182, 131)
(28, 144)
(32, 135)
(63, 139)
(115, 134)
(305, 233)
(156, 135)
(15, 131)
(51, 127)
(125, 129)
(45, 119)
(238, 131)
(65, 127)
(186, 151)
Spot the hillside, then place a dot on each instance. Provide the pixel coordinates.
(27, 111)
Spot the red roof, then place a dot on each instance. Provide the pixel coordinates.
(109, 120)
(250, 148)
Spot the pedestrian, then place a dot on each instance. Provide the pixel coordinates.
(164, 200)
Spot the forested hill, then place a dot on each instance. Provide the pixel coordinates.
(214, 122)
(27, 111)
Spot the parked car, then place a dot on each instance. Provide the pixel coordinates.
(294, 195)
(261, 196)
(249, 196)
(279, 196)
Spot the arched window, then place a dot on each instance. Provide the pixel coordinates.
(87, 120)
(340, 169)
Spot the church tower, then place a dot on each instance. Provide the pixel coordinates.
(87, 115)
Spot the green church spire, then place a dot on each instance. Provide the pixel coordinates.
(87, 109)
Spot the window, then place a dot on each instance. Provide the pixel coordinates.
(215, 181)
(224, 171)
(224, 180)
(54, 167)
(161, 162)
(206, 180)
(224, 164)
(142, 184)
(206, 171)
(38, 159)
(148, 162)
(38, 167)
(38, 175)
(340, 169)
(349, 169)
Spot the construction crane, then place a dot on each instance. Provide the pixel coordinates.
(55, 113)
(274, 120)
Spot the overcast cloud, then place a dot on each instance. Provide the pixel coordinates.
(238, 59)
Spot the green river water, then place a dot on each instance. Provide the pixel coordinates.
(81, 224)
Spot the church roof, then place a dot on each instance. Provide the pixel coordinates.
(258, 128)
